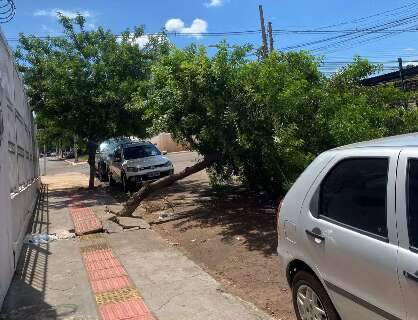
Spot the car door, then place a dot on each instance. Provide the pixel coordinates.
(407, 222)
(349, 233)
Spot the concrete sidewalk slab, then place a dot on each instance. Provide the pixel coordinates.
(172, 285)
(50, 281)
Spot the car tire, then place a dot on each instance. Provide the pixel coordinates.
(125, 183)
(306, 285)
(111, 181)
(103, 176)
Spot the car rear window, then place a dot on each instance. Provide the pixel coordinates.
(354, 194)
(412, 202)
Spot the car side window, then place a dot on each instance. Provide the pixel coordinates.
(354, 194)
(412, 202)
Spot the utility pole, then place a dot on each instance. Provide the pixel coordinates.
(270, 31)
(401, 73)
(263, 32)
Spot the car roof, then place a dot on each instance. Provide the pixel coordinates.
(405, 140)
(135, 144)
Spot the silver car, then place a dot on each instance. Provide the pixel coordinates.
(348, 233)
(135, 162)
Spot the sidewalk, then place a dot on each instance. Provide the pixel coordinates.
(52, 282)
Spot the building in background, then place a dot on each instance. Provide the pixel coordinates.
(408, 79)
(165, 142)
(19, 166)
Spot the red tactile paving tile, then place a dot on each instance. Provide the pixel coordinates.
(106, 273)
(129, 310)
(110, 284)
(86, 226)
(101, 265)
(99, 255)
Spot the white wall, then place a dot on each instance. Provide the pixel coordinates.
(19, 169)
(165, 142)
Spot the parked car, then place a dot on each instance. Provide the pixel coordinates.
(348, 233)
(106, 148)
(135, 162)
(69, 154)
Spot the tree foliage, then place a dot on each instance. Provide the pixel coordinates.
(82, 82)
(267, 119)
(261, 120)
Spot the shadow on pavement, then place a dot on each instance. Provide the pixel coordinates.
(26, 296)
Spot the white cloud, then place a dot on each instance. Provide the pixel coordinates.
(409, 49)
(141, 41)
(214, 3)
(91, 26)
(196, 29)
(53, 13)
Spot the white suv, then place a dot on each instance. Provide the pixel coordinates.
(348, 233)
(136, 162)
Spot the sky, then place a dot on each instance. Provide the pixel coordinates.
(195, 18)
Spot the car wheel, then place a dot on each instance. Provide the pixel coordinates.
(103, 176)
(310, 299)
(125, 183)
(111, 181)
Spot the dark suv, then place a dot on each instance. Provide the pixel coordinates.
(106, 149)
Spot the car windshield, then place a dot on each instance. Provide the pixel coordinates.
(140, 152)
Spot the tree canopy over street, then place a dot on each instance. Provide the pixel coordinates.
(261, 120)
(82, 82)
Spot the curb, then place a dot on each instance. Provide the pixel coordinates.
(75, 163)
(177, 152)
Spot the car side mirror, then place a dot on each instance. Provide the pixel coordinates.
(164, 153)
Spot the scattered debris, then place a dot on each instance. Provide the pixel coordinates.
(174, 244)
(129, 223)
(37, 239)
(113, 208)
(64, 234)
(163, 216)
(110, 226)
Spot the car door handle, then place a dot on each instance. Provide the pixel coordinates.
(316, 235)
(411, 276)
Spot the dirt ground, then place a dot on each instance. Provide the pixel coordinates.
(231, 234)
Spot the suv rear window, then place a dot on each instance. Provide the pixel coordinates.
(354, 194)
(412, 202)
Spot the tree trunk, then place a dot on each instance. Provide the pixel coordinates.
(91, 148)
(148, 188)
(75, 149)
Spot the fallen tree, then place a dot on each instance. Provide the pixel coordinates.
(268, 119)
(149, 188)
